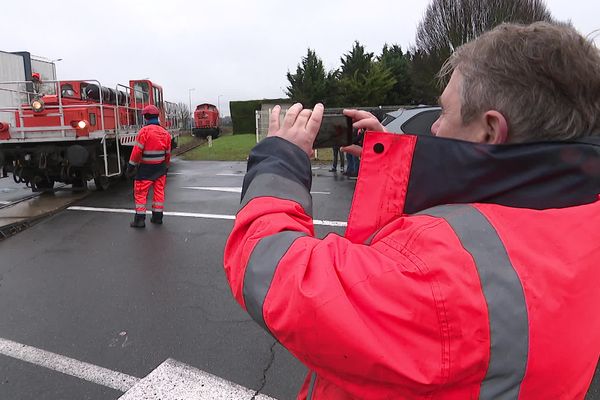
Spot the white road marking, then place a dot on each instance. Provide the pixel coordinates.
(169, 381)
(173, 380)
(5, 202)
(189, 214)
(234, 189)
(67, 365)
(215, 189)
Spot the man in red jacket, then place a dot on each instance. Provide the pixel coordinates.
(469, 267)
(149, 162)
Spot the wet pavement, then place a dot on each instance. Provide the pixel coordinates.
(86, 286)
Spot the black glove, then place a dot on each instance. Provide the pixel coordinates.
(131, 171)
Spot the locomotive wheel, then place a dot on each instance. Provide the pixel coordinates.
(42, 184)
(102, 183)
(78, 185)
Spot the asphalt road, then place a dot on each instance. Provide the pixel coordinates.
(84, 285)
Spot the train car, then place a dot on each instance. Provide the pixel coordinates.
(206, 121)
(74, 131)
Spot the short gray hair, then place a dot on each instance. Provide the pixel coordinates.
(544, 78)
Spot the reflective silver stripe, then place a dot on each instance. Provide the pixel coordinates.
(140, 206)
(311, 385)
(138, 144)
(277, 186)
(153, 158)
(154, 152)
(261, 268)
(157, 203)
(503, 291)
(133, 163)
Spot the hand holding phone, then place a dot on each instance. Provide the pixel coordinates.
(335, 130)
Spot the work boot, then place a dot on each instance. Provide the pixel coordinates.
(139, 221)
(156, 217)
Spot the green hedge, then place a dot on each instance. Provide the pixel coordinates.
(243, 114)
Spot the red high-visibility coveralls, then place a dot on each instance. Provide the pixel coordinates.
(151, 154)
(467, 271)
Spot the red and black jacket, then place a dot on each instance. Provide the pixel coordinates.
(151, 153)
(466, 271)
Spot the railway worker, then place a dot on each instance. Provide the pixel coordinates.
(469, 267)
(148, 163)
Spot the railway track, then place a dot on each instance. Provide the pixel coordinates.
(20, 214)
(196, 142)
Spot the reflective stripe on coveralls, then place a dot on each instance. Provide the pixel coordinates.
(154, 155)
(268, 252)
(261, 268)
(505, 298)
(272, 185)
(311, 385)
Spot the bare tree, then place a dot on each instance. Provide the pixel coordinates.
(183, 114)
(450, 23)
(172, 120)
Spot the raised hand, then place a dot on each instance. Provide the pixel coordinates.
(300, 126)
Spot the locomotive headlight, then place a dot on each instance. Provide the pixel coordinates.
(81, 124)
(37, 105)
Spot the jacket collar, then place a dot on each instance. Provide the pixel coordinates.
(405, 174)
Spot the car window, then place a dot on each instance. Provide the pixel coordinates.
(421, 123)
(387, 119)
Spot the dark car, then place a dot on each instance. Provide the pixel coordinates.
(416, 120)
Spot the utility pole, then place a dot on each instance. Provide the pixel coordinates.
(191, 112)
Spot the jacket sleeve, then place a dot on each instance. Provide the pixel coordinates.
(360, 316)
(138, 147)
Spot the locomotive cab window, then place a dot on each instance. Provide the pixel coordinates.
(142, 95)
(66, 90)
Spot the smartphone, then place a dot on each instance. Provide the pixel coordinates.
(336, 130)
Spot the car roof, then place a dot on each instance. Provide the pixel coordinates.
(402, 115)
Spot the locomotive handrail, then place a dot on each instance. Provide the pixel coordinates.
(129, 108)
(106, 171)
(59, 97)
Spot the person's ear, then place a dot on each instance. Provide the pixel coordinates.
(496, 127)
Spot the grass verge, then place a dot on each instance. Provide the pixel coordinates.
(224, 148)
(235, 148)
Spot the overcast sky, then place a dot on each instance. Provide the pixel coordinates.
(235, 49)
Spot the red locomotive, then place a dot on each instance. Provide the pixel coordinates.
(206, 121)
(74, 131)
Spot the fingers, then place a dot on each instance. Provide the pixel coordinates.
(302, 119)
(358, 114)
(353, 149)
(274, 120)
(291, 115)
(370, 124)
(314, 123)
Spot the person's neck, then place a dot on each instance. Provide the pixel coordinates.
(152, 121)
